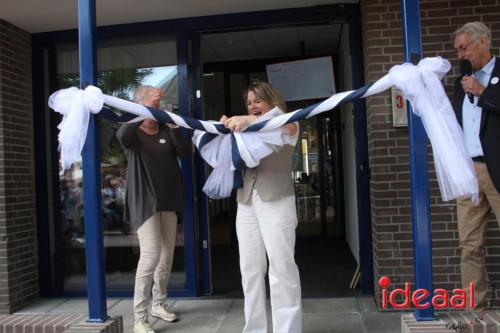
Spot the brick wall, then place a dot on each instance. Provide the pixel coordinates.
(388, 146)
(18, 243)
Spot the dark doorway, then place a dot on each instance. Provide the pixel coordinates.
(232, 60)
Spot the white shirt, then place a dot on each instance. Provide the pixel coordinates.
(471, 113)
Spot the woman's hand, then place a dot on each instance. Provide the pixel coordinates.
(238, 123)
(290, 129)
(152, 98)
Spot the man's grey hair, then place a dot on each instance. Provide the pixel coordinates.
(475, 30)
(140, 93)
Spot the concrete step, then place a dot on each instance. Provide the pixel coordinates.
(57, 323)
(446, 322)
(113, 325)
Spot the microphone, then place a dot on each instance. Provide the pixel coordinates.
(466, 68)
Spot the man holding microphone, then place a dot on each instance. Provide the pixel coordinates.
(476, 102)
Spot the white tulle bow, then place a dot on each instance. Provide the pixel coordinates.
(422, 86)
(75, 105)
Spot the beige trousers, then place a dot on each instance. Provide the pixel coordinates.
(472, 222)
(157, 244)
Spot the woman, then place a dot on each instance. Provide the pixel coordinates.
(266, 222)
(154, 193)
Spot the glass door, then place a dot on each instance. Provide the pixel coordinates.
(123, 64)
(230, 63)
(313, 175)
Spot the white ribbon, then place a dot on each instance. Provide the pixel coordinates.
(253, 146)
(420, 84)
(75, 105)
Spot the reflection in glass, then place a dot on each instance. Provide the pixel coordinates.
(312, 183)
(120, 242)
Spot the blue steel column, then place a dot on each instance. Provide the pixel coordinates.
(362, 163)
(91, 171)
(203, 221)
(190, 244)
(417, 140)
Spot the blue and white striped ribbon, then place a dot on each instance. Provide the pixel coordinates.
(420, 84)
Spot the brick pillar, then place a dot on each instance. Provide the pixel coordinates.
(18, 241)
(388, 146)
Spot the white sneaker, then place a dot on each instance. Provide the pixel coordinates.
(160, 311)
(143, 326)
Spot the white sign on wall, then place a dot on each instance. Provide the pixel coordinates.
(303, 79)
(399, 110)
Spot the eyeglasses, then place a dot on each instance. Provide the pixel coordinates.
(463, 48)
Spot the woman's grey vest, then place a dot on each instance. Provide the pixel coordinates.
(272, 178)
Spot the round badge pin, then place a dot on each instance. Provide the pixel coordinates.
(162, 141)
(494, 80)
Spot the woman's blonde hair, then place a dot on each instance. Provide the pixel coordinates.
(265, 92)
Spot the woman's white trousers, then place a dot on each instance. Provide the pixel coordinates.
(269, 227)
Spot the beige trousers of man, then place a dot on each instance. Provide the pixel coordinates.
(472, 222)
(157, 243)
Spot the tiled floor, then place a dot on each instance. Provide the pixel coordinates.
(339, 315)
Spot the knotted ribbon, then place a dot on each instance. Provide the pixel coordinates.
(75, 105)
(420, 84)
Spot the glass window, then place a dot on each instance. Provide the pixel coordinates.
(123, 64)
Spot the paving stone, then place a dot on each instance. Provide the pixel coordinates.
(331, 305)
(231, 324)
(332, 323)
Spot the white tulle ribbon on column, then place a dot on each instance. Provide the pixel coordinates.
(422, 86)
(75, 105)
